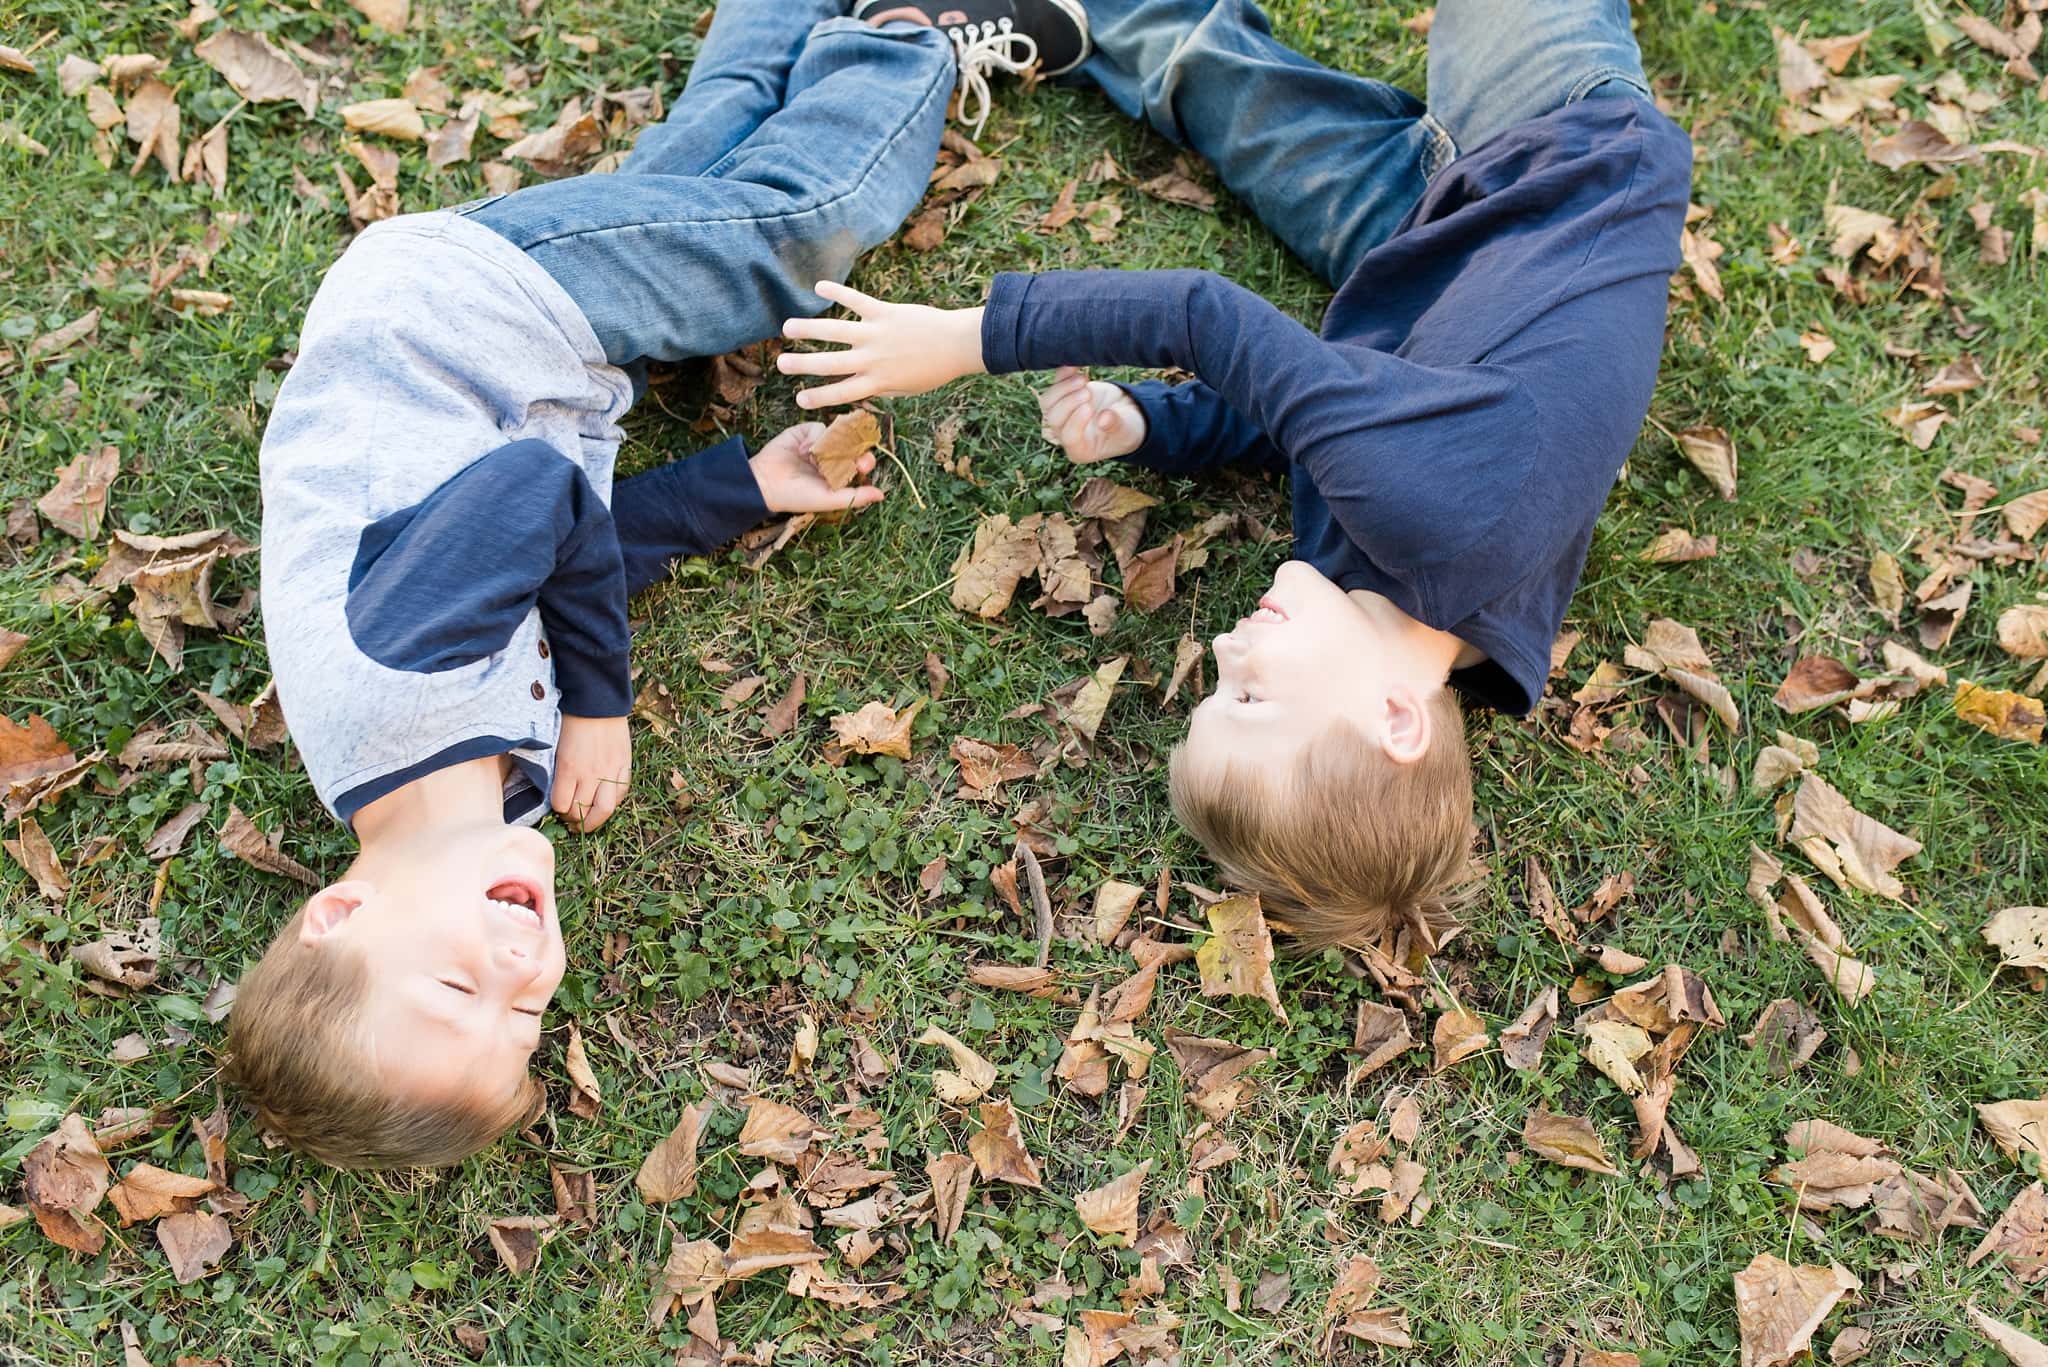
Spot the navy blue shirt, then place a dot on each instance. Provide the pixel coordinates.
(1480, 377)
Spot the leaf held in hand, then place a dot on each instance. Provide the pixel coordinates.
(851, 436)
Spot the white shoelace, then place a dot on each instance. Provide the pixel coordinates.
(983, 48)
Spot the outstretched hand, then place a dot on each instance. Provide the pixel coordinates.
(1091, 420)
(889, 350)
(787, 471)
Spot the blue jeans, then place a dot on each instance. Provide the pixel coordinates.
(1331, 162)
(802, 138)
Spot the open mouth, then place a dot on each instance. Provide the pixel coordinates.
(1268, 611)
(520, 897)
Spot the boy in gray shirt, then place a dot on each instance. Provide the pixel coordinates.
(447, 558)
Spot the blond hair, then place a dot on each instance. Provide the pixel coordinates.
(1350, 845)
(297, 1050)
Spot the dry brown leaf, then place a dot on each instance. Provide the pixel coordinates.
(449, 145)
(837, 454)
(1779, 1306)
(562, 147)
(2023, 631)
(148, 1192)
(258, 71)
(1854, 850)
(518, 1239)
(1212, 1070)
(776, 1132)
(1816, 681)
(1179, 186)
(1678, 546)
(1799, 72)
(1700, 252)
(975, 1076)
(2005, 714)
(1114, 902)
(2026, 514)
(586, 1098)
(1817, 345)
(243, 840)
(391, 118)
(1149, 577)
(1566, 1139)
(2020, 1347)
(780, 719)
(2020, 934)
(1111, 1210)
(1712, 453)
(77, 503)
(988, 570)
(1613, 1047)
(2017, 1127)
(1237, 959)
(1090, 702)
(63, 1179)
(2020, 1238)
(1380, 1035)
(1062, 211)
(1521, 1044)
(194, 1242)
(952, 1179)
(389, 15)
(1919, 423)
(1110, 501)
(125, 960)
(876, 729)
(669, 1172)
(998, 1147)
(986, 765)
(153, 127)
(1458, 1035)
(31, 751)
(33, 851)
(1788, 1033)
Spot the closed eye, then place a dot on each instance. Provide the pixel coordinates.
(527, 1011)
(465, 991)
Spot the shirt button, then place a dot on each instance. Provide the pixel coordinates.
(538, 691)
(543, 650)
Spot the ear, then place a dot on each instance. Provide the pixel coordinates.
(1405, 730)
(329, 909)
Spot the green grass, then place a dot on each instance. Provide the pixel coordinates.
(790, 887)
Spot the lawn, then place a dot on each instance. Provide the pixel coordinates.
(769, 918)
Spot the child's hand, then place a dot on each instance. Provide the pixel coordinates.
(1090, 419)
(892, 350)
(593, 764)
(791, 483)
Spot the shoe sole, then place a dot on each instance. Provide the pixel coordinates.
(1071, 8)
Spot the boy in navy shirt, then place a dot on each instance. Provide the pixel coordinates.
(447, 558)
(1501, 259)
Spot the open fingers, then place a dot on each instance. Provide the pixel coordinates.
(820, 362)
(846, 296)
(823, 329)
(846, 391)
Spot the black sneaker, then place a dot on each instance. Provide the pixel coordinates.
(985, 32)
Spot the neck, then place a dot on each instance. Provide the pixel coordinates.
(1434, 652)
(461, 795)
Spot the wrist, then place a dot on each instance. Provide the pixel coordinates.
(966, 341)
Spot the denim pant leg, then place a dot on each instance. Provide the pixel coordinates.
(667, 267)
(1497, 63)
(1330, 162)
(740, 77)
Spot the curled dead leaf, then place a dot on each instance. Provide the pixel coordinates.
(998, 1148)
(194, 1242)
(1237, 959)
(1566, 1139)
(1111, 1210)
(1779, 1306)
(63, 1179)
(975, 1074)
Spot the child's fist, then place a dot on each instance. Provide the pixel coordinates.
(593, 765)
(787, 471)
(1090, 419)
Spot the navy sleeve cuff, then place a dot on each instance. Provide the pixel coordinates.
(595, 685)
(687, 507)
(1155, 451)
(1000, 318)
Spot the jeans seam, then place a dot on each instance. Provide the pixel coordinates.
(1440, 150)
(866, 174)
(1599, 76)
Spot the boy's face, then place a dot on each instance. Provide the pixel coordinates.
(1307, 657)
(458, 932)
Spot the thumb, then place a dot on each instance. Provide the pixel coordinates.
(866, 496)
